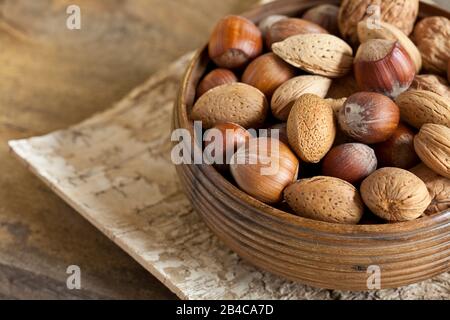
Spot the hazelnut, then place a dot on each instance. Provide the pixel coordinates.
(369, 117)
(395, 194)
(264, 168)
(214, 79)
(234, 42)
(390, 32)
(223, 140)
(383, 66)
(398, 151)
(286, 28)
(267, 73)
(319, 54)
(431, 36)
(402, 14)
(325, 15)
(265, 24)
(433, 83)
(351, 162)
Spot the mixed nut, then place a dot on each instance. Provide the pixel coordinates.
(358, 105)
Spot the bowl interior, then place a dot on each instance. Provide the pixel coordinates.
(197, 68)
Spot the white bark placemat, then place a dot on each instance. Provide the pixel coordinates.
(115, 170)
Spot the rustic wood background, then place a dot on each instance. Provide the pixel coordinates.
(51, 78)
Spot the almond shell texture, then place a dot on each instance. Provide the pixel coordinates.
(237, 102)
(320, 54)
(311, 128)
(325, 199)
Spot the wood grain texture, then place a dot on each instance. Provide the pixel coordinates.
(115, 170)
(51, 78)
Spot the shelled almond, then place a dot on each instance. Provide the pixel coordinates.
(339, 117)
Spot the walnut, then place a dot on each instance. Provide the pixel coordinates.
(432, 37)
(400, 13)
(438, 186)
(395, 194)
(433, 83)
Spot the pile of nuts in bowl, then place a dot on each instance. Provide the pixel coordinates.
(359, 104)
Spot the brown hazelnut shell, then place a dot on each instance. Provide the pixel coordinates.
(398, 151)
(266, 186)
(233, 137)
(351, 162)
(286, 28)
(369, 117)
(383, 66)
(215, 78)
(267, 73)
(234, 42)
(324, 15)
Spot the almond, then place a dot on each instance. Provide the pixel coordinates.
(285, 96)
(390, 32)
(418, 107)
(438, 187)
(311, 128)
(326, 199)
(236, 102)
(432, 145)
(286, 28)
(321, 54)
(395, 194)
(433, 83)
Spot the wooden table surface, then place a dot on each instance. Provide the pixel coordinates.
(50, 78)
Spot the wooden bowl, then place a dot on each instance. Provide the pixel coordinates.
(316, 253)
